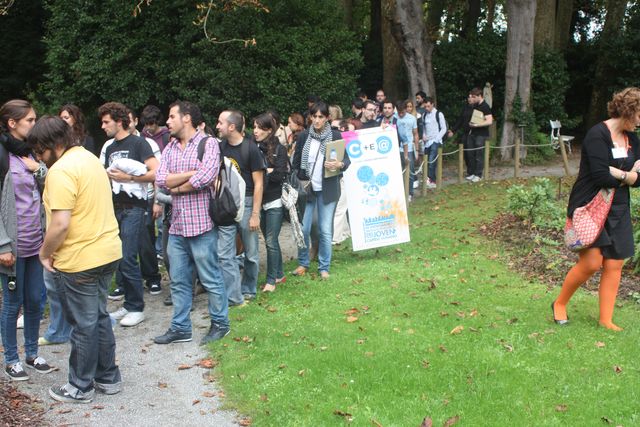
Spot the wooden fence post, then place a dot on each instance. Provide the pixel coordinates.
(487, 149)
(439, 168)
(565, 160)
(516, 158)
(425, 170)
(460, 163)
(405, 178)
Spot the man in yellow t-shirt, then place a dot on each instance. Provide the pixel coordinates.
(81, 249)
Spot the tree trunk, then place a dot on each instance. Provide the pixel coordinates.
(520, 32)
(409, 30)
(372, 74)
(564, 12)
(394, 76)
(491, 15)
(604, 73)
(545, 24)
(470, 21)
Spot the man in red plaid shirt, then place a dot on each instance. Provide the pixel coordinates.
(192, 240)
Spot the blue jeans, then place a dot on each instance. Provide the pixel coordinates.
(185, 254)
(59, 329)
(147, 249)
(325, 231)
(270, 224)
(93, 346)
(28, 292)
(431, 153)
(236, 287)
(131, 222)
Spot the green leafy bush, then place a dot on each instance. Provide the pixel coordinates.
(537, 204)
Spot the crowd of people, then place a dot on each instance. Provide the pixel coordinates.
(145, 194)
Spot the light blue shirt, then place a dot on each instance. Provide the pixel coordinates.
(406, 125)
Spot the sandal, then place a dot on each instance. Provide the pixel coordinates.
(300, 271)
(268, 287)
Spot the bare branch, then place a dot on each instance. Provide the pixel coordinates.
(5, 5)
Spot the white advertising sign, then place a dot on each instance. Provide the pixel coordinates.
(375, 189)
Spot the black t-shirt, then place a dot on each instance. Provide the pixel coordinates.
(486, 110)
(131, 147)
(251, 162)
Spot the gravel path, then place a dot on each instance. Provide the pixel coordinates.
(164, 385)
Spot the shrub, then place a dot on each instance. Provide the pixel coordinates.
(536, 204)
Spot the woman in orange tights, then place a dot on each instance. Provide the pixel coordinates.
(610, 158)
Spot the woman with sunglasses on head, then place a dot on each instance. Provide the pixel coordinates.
(20, 240)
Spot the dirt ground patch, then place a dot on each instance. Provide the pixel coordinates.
(540, 254)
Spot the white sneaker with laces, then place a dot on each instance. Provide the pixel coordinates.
(476, 178)
(119, 314)
(430, 184)
(469, 177)
(132, 318)
(20, 323)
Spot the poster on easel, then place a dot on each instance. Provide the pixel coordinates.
(375, 188)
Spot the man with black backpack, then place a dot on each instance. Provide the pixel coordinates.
(192, 239)
(247, 158)
(434, 128)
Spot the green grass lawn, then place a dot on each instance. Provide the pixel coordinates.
(438, 328)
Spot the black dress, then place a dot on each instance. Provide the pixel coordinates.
(616, 240)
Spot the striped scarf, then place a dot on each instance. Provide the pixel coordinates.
(323, 137)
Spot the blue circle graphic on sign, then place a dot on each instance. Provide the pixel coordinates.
(384, 144)
(382, 179)
(354, 150)
(365, 173)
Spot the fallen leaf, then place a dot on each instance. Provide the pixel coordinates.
(195, 402)
(340, 413)
(245, 422)
(461, 314)
(617, 369)
(427, 422)
(352, 319)
(443, 314)
(606, 420)
(599, 344)
(352, 311)
(458, 329)
(301, 372)
(207, 363)
(512, 321)
(451, 421)
(360, 341)
(221, 394)
(442, 348)
(208, 394)
(264, 397)
(271, 309)
(162, 385)
(562, 408)
(184, 366)
(425, 363)
(455, 303)
(368, 354)
(375, 423)
(63, 411)
(282, 366)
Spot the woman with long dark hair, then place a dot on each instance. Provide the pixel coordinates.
(309, 160)
(610, 158)
(275, 154)
(20, 241)
(73, 116)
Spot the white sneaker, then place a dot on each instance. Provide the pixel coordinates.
(132, 318)
(430, 184)
(20, 324)
(416, 184)
(469, 178)
(410, 199)
(476, 179)
(119, 314)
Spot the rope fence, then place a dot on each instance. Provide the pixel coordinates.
(461, 154)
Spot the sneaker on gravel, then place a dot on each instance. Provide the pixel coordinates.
(105, 388)
(39, 364)
(168, 301)
(132, 318)
(215, 333)
(155, 289)
(20, 322)
(16, 372)
(172, 336)
(119, 313)
(61, 394)
(116, 295)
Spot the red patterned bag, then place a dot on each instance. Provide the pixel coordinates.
(588, 221)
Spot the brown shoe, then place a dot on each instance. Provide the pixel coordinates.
(300, 271)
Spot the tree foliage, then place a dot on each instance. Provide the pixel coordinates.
(99, 51)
